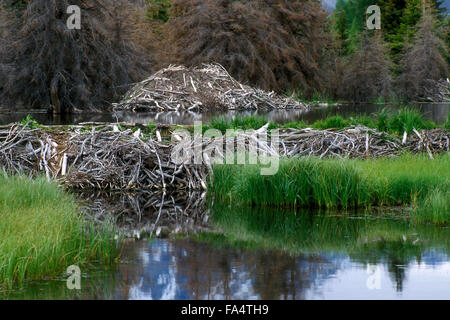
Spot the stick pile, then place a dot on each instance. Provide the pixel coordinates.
(106, 158)
(121, 160)
(360, 142)
(24, 150)
(208, 86)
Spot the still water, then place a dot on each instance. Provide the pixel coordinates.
(253, 257)
(437, 112)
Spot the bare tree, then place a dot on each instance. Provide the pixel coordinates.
(423, 63)
(270, 44)
(44, 64)
(366, 73)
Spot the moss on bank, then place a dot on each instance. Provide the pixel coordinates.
(42, 232)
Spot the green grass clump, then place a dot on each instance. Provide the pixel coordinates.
(29, 121)
(362, 120)
(240, 122)
(405, 179)
(397, 122)
(434, 208)
(381, 122)
(299, 182)
(338, 183)
(336, 122)
(407, 119)
(42, 232)
(150, 128)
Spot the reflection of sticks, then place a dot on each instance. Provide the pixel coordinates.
(159, 213)
(146, 211)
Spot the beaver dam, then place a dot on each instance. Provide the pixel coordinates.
(128, 157)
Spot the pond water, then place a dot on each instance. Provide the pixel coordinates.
(297, 256)
(438, 112)
(257, 254)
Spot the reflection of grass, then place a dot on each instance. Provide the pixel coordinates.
(42, 232)
(100, 283)
(337, 183)
(307, 232)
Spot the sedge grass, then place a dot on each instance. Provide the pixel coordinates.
(42, 232)
(404, 119)
(409, 180)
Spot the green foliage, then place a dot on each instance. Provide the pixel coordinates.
(435, 208)
(150, 127)
(304, 231)
(158, 9)
(384, 120)
(29, 121)
(296, 125)
(398, 21)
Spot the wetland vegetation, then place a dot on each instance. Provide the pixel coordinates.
(42, 232)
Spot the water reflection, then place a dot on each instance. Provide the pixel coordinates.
(326, 258)
(144, 213)
(192, 270)
(438, 112)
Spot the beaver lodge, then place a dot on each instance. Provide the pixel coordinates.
(208, 86)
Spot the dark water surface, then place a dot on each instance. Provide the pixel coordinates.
(325, 258)
(438, 112)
